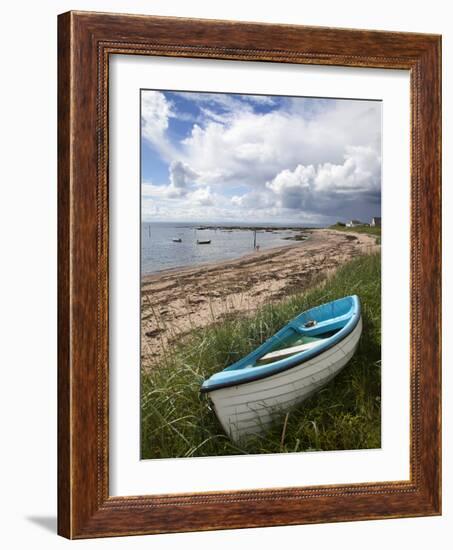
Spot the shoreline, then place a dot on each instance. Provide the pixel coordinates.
(148, 277)
(176, 301)
(291, 240)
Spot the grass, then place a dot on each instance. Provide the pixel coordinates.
(345, 414)
(376, 231)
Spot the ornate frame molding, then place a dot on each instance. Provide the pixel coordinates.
(86, 40)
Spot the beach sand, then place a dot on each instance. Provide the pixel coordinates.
(177, 301)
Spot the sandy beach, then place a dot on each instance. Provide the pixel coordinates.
(177, 301)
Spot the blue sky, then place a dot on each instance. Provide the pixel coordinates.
(231, 157)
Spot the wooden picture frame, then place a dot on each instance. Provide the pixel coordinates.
(85, 42)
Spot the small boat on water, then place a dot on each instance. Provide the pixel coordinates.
(206, 241)
(177, 240)
(286, 369)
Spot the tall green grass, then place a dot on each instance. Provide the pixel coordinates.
(176, 420)
(376, 231)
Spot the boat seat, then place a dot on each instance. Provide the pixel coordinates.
(320, 326)
(286, 352)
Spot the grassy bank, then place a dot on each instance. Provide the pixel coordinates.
(376, 231)
(177, 421)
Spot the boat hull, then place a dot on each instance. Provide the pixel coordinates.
(246, 410)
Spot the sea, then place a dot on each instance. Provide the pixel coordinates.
(228, 241)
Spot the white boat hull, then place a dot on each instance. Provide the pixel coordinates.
(248, 409)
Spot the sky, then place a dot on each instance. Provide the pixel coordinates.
(253, 158)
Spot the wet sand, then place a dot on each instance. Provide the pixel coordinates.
(174, 302)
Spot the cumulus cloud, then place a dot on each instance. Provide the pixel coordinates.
(155, 114)
(255, 146)
(324, 190)
(360, 172)
(293, 187)
(158, 202)
(182, 178)
(321, 188)
(182, 191)
(295, 157)
(253, 200)
(156, 111)
(203, 196)
(182, 183)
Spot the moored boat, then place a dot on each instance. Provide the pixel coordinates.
(207, 241)
(286, 369)
(177, 240)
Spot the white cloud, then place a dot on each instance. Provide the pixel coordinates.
(360, 172)
(202, 196)
(156, 112)
(293, 187)
(182, 178)
(318, 189)
(182, 183)
(158, 204)
(254, 200)
(314, 158)
(254, 147)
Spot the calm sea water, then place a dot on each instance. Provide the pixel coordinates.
(159, 252)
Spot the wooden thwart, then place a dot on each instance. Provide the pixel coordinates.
(285, 352)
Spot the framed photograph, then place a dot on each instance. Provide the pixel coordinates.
(249, 275)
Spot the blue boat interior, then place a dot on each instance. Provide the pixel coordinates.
(308, 334)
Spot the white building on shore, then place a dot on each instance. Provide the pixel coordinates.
(354, 223)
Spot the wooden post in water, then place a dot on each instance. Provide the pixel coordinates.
(254, 239)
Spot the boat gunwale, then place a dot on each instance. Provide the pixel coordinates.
(286, 383)
(297, 361)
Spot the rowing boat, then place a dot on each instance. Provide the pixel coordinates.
(286, 369)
